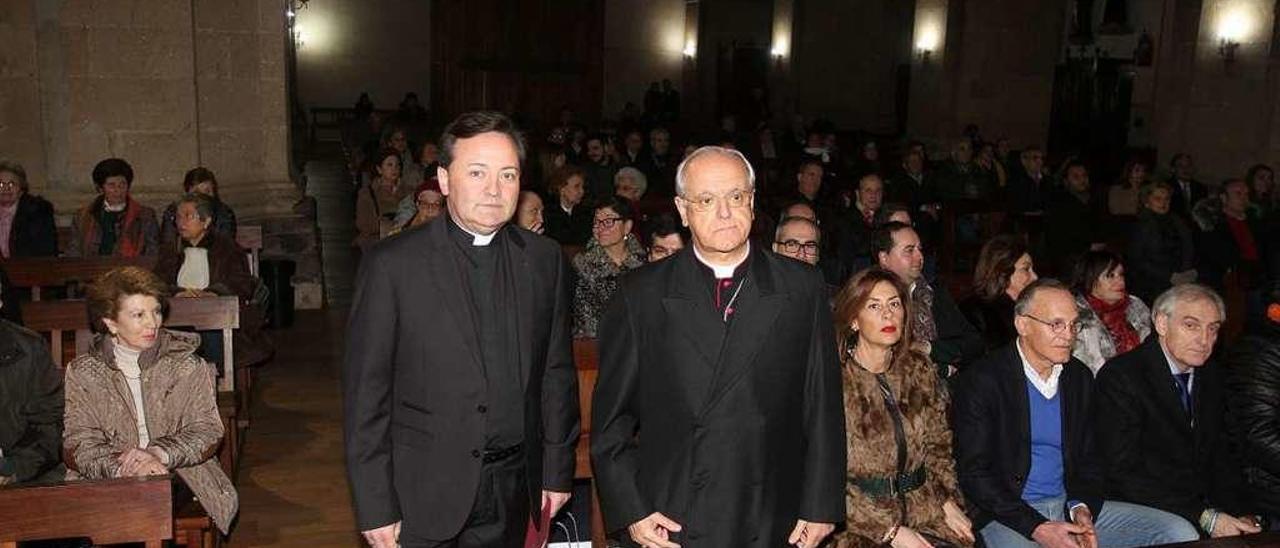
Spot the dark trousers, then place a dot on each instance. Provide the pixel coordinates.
(500, 515)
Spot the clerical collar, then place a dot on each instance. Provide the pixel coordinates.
(479, 240)
(726, 271)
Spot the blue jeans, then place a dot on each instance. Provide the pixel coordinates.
(1119, 524)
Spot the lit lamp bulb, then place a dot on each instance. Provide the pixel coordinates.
(927, 43)
(690, 48)
(1232, 29)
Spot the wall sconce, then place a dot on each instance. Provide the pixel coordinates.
(690, 49)
(927, 44)
(1233, 28)
(1227, 49)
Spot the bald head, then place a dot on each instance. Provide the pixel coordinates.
(715, 158)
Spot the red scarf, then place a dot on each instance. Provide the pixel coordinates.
(1114, 316)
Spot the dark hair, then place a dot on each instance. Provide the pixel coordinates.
(561, 176)
(17, 170)
(204, 204)
(882, 238)
(619, 205)
(893, 207)
(1222, 188)
(1091, 266)
(112, 167)
(381, 156)
(1254, 170)
(1023, 302)
(1177, 157)
(471, 124)
(996, 265)
(1074, 163)
(106, 292)
(659, 226)
(853, 296)
(810, 161)
(1129, 166)
(786, 207)
(196, 176)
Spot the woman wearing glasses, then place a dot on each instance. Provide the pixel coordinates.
(611, 252)
(902, 488)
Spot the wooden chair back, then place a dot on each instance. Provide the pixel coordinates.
(203, 314)
(249, 238)
(107, 511)
(41, 272)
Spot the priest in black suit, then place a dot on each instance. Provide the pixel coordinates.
(718, 417)
(460, 394)
(1160, 418)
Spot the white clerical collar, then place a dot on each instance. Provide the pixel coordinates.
(722, 272)
(477, 239)
(1046, 387)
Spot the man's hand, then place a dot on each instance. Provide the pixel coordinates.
(555, 499)
(6, 480)
(654, 531)
(1231, 526)
(1058, 534)
(387, 536)
(1084, 518)
(809, 535)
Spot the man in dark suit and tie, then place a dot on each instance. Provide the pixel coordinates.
(1025, 454)
(1160, 418)
(1187, 191)
(718, 419)
(460, 393)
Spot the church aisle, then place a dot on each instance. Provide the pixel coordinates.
(293, 489)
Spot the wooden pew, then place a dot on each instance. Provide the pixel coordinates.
(586, 356)
(40, 272)
(107, 511)
(58, 317)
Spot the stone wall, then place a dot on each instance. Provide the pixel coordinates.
(643, 43)
(167, 85)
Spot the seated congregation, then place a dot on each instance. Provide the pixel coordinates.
(168, 320)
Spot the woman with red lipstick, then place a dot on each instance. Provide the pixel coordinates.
(1112, 321)
(902, 487)
(140, 403)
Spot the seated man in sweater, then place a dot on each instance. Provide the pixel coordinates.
(1025, 456)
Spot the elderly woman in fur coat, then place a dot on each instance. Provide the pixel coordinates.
(902, 488)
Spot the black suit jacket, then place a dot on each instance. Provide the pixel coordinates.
(1155, 457)
(33, 233)
(413, 382)
(1180, 203)
(991, 420)
(733, 430)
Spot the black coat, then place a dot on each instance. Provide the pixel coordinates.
(1155, 457)
(1159, 246)
(413, 382)
(1180, 203)
(734, 431)
(568, 229)
(1024, 193)
(1071, 226)
(994, 319)
(33, 233)
(30, 405)
(1254, 416)
(991, 419)
(958, 342)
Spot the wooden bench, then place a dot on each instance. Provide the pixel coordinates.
(106, 511)
(248, 237)
(586, 357)
(58, 317)
(41, 272)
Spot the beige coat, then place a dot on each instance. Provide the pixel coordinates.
(181, 410)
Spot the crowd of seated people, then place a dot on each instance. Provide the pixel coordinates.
(1146, 257)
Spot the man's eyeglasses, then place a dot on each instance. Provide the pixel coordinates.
(707, 201)
(607, 223)
(793, 246)
(1059, 326)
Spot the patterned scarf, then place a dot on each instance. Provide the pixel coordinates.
(924, 329)
(1114, 317)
